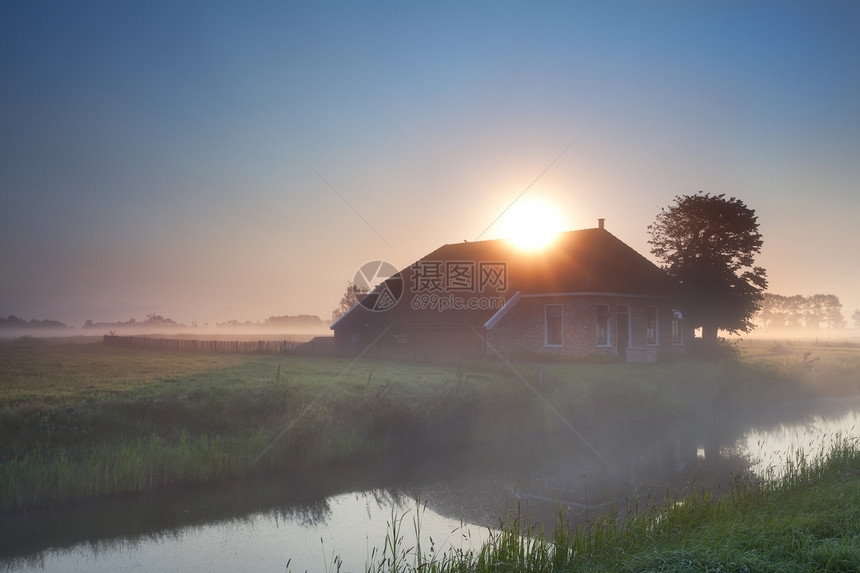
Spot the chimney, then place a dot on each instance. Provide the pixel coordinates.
(600, 223)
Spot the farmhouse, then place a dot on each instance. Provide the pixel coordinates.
(587, 293)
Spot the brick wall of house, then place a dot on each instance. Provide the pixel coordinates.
(640, 354)
(522, 329)
(450, 345)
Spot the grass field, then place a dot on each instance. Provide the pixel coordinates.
(83, 420)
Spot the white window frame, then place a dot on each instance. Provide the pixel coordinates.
(656, 339)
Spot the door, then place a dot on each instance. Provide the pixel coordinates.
(622, 321)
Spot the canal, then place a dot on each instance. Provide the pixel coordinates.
(307, 522)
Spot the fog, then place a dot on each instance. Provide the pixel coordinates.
(284, 516)
(797, 336)
(298, 327)
(172, 172)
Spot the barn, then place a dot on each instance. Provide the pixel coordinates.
(587, 293)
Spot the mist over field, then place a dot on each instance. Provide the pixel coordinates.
(302, 326)
(222, 173)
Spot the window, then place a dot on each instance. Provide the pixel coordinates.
(622, 328)
(601, 323)
(651, 328)
(554, 324)
(677, 327)
(677, 332)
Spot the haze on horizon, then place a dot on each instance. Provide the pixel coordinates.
(225, 162)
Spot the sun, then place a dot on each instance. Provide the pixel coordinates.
(531, 224)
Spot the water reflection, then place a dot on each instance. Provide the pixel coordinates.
(642, 463)
(310, 518)
(306, 539)
(785, 441)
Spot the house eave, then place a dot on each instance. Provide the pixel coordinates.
(594, 293)
(344, 315)
(499, 314)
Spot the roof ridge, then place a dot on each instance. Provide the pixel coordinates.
(500, 239)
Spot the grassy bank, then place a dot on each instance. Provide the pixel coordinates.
(806, 520)
(83, 420)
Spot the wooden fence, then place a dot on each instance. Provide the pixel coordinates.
(317, 345)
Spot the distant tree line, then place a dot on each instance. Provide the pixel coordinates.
(295, 322)
(13, 321)
(810, 313)
(152, 321)
(299, 322)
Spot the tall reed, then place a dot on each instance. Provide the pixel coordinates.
(39, 478)
(657, 536)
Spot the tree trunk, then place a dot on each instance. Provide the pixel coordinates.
(709, 335)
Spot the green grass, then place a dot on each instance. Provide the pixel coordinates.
(808, 519)
(83, 420)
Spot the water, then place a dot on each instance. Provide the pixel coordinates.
(305, 522)
(771, 447)
(269, 541)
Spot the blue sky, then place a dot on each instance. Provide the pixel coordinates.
(205, 161)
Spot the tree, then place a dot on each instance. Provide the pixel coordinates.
(153, 319)
(353, 294)
(797, 312)
(826, 310)
(707, 244)
(771, 314)
(856, 318)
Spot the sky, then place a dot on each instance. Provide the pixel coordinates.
(212, 161)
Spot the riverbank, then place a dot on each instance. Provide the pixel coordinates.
(82, 421)
(806, 519)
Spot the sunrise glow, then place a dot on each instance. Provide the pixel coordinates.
(532, 224)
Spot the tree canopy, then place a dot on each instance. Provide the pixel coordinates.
(797, 312)
(353, 294)
(708, 244)
(13, 321)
